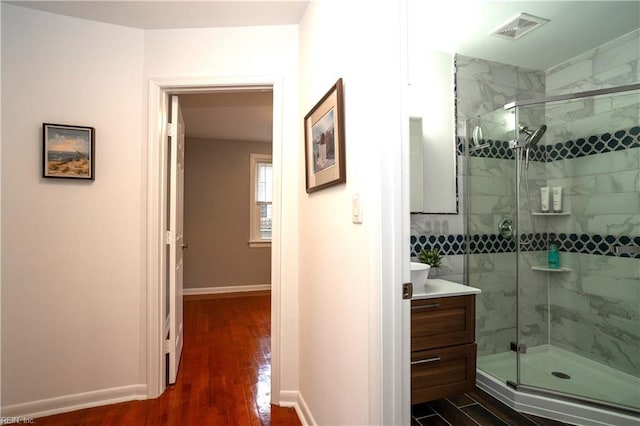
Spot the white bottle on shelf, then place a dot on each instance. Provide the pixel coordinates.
(544, 199)
(557, 198)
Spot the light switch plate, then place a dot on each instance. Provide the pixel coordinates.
(356, 209)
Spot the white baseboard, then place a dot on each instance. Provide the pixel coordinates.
(79, 401)
(226, 289)
(288, 398)
(294, 399)
(303, 412)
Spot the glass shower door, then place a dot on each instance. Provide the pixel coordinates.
(580, 323)
(491, 246)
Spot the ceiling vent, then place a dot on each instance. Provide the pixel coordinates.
(518, 26)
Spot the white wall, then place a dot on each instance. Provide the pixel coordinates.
(72, 280)
(341, 263)
(251, 51)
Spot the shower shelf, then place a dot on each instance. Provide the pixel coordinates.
(545, 269)
(551, 214)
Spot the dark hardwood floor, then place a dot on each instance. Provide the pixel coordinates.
(224, 379)
(473, 408)
(224, 376)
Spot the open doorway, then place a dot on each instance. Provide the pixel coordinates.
(228, 191)
(159, 94)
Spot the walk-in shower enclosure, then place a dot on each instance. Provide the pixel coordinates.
(571, 331)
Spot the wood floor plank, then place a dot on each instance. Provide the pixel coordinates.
(500, 410)
(481, 415)
(224, 377)
(421, 410)
(433, 421)
(461, 400)
(451, 413)
(541, 421)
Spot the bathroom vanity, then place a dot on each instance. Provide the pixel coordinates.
(443, 348)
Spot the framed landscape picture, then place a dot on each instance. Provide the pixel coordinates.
(68, 151)
(324, 141)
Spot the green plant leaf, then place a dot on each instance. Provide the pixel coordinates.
(431, 257)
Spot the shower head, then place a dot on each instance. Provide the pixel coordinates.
(534, 137)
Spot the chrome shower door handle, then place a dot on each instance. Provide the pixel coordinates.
(505, 228)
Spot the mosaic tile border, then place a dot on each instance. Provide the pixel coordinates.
(595, 244)
(607, 142)
(582, 147)
(603, 245)
(447, 244)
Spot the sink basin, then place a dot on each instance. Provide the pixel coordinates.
(419, 273)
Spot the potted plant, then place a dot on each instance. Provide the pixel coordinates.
(431, 257)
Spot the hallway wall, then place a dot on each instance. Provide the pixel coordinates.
(72, 281)
(341, 263)
(74, 284)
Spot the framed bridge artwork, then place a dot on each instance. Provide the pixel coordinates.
(324, 141)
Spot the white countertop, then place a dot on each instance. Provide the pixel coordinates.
(441, 288)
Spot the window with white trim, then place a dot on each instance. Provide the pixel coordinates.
(260, 199)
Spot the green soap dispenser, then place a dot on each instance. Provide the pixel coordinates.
(553, 257)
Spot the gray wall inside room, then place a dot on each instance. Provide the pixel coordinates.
(216, 221)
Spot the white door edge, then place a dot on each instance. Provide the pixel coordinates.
(159, 91)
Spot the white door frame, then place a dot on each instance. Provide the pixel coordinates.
(159, 91)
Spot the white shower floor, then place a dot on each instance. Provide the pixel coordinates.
(588, 378)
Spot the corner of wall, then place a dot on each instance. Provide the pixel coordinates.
(0, 211)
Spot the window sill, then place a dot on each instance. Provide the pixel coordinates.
(259, 243)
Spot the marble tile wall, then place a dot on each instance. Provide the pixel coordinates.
(595, 309)
(485, 87)
(616, 63)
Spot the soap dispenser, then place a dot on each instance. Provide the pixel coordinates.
(553, 257)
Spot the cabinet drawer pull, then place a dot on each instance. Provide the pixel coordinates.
(425, 307)
(424, 361)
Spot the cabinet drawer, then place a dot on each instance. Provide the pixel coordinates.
(443, 321)
(439, 373)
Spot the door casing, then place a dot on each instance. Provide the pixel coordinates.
(157, 146)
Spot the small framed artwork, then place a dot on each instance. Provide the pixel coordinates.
(324, 141)
(68, 151)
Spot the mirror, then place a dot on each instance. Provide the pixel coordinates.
(432, 143)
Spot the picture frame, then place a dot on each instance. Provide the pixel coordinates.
(324, 141)
(68, 151)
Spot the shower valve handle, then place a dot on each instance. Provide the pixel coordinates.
(505, 228)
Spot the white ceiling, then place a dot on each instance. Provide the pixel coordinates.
(159, 14)
(459, 26)
(455, 26)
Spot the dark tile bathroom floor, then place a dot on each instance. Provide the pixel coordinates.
(473, 408)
